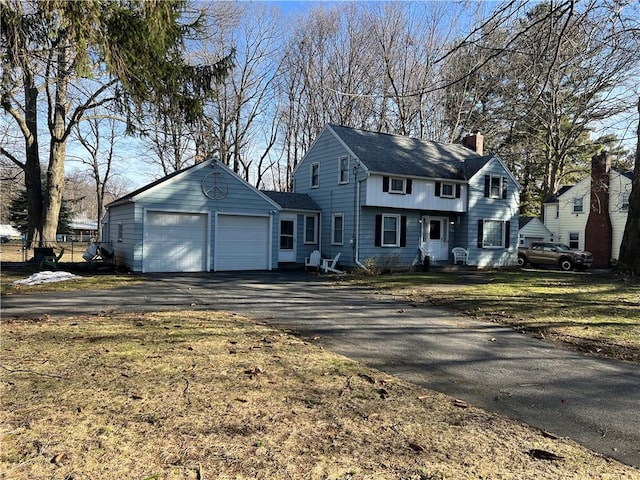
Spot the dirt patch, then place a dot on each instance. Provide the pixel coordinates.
(205, 395)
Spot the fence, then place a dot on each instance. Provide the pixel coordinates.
(17, 251)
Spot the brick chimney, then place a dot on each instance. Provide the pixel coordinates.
(475, 142)
(598, 232)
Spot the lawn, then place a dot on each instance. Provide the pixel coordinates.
(590, 312)
(203, 395)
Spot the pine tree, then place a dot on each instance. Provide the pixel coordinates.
(128, 53)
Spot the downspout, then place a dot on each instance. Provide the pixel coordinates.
(356, 204)
(320, 231)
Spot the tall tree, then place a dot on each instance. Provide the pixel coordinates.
(19, 217)
(239, 116)
(100, 159)
(544, 93)
(52, 46)
(556, 80)
(168, 140)
(629, 261)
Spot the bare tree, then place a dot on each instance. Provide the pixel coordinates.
(168, 141)
(238, 116)
(541, 97)
(101, 157)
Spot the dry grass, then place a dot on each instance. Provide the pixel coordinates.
(203, 395)
(85, 281)
(595, 313)
(12, 252)
(89, 280)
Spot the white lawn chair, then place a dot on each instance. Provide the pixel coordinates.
(330, 267)
(460, 255)
(314, 260)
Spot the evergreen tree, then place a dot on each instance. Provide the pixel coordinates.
(19, 216)
(127, 52)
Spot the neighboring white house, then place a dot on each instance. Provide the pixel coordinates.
(566, 214)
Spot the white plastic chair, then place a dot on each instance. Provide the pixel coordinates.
(314, 260)
(326, 267)
(460, 255)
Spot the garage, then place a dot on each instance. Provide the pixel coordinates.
(175, 242)
(242, 242)
(204, 218)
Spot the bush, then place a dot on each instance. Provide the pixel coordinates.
(370, 268)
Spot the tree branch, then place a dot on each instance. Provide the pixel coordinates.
(12, 158)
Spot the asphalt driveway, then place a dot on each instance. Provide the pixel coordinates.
(593, 401)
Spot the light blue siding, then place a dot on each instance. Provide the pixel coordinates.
(389, 258)
(184, 193)
(331, 196)
(483, 208)
(124, 250)
(360, 219)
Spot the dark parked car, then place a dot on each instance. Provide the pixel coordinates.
(554, 254)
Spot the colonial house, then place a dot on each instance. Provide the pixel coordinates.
(397, 200)
(363, 195)
(592, 214)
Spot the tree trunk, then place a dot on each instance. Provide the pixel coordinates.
(32, 171)
(629, 261)
(58, 148)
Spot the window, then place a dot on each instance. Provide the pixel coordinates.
(578, 205)
(435, 230)
(120, 229)
(624, 201)
(390, 230)
(344, 169)
(574, 240)
(448, 190)
(286, 234)
(495, 186)
(310, 229)
(337, 234)
(493, 234)
(315, 175)
(397, 185)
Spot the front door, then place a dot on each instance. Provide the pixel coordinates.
(287, 252)
(434, 240)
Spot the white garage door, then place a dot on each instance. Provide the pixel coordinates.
(175, 242)
(242, 243)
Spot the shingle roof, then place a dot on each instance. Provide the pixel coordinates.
(552, 198)
(292, 201)
(522, 221)
(399, 155)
